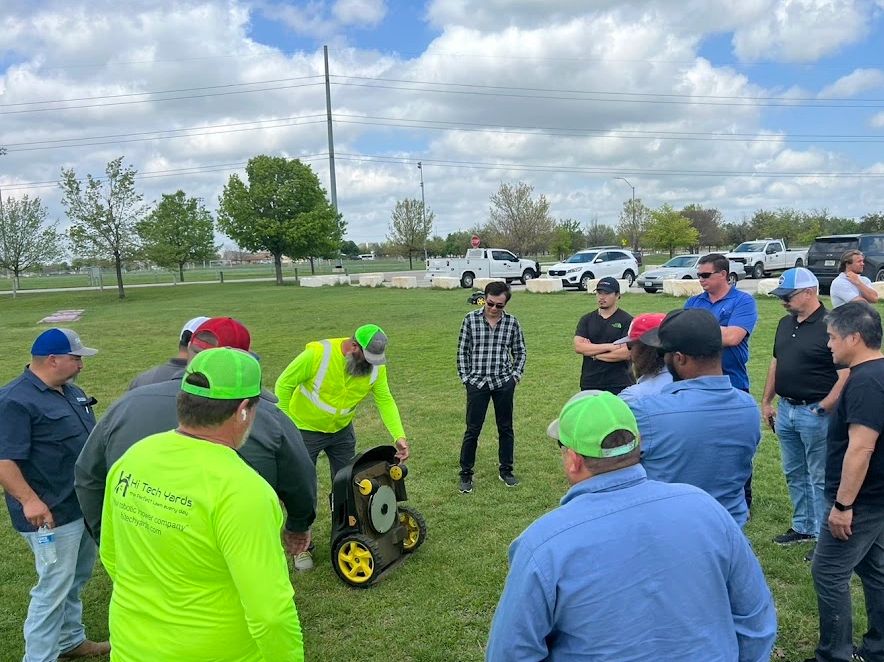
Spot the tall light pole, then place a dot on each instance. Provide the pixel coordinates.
(633, 206)
(423, 208)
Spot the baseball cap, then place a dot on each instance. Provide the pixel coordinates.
(227, 331)
(373, 341)
(589, 417)
(793, 279)
(608, 284)
(188, 329)
(694, 332)
(60, 341)
(233, 374)
(640, 325)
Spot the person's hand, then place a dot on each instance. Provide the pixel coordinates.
(402, 451)
(769, 414)
(295, 543)
(38, 513)
(852, 277)
(840, 523)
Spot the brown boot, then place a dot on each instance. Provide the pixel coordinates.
(87, 649)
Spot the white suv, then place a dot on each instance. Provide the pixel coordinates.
(592, 263)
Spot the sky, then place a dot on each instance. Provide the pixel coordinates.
(743, 106)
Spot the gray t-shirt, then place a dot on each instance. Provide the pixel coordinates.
(843, 291)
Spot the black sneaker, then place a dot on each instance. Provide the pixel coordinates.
(792, 537)
(509, 480)
(857, 656)
(466, 484)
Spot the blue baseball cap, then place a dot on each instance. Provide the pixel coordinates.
(60, 341)
(797, 278)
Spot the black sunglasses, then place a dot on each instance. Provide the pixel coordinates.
(491, 304)
(786, 298)
(706, 274)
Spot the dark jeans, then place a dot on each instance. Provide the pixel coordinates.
(834, 561)
(747, 488)
(339, 447)
(477, 406)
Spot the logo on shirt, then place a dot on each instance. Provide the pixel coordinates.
(617, 325)
(122, 485)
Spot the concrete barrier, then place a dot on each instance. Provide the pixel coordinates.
(371, 280)
(590, 286)
(767, 285)
(320, 281)
(445, 283)
(878, 286)
(404, 282)
(544, 285)
(682, 288)
(480, 283)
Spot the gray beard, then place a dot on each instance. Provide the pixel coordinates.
(357, 367)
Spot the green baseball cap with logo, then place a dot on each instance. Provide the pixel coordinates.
(232, 374)
(373, 341)
(589, 417)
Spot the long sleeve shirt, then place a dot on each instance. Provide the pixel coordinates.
(632, 569)
(489, 355)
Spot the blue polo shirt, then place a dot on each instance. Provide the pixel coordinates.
(703, 432)
(628, 568)
(43, 432)
(736, 309)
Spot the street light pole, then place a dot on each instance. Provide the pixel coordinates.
(423, 208)
(633, 204)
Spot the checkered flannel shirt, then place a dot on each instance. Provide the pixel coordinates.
(490, 355)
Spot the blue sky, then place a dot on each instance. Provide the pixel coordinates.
(484, 117)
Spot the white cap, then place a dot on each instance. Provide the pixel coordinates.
(797, 278)
(192, 326)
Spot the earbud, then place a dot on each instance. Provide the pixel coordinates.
(244, 414)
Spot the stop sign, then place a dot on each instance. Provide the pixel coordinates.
(474, 241)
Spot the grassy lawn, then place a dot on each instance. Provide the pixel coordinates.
(438, 605)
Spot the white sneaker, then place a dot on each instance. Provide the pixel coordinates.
(304, 561)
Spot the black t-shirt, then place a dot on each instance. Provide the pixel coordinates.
(601, 374)
(860, 403)
(805, 370)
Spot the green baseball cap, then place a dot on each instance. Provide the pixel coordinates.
(373, 341)
(589, 417)
(232, 374)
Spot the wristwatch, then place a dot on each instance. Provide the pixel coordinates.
(840, 506)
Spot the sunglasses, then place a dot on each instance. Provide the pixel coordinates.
(786, 298)
(706, 274)
(491, 304)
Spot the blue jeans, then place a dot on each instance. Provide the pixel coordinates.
(54, 624)
(802, 435)
(834, 561)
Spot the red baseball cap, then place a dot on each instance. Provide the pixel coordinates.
(641, 324)
(226, 331)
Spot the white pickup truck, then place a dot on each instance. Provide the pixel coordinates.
(484, 263)
(762, 257)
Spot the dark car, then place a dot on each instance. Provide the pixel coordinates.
(825, 253)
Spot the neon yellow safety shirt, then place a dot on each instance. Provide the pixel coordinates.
(191, 539)
(318, 393)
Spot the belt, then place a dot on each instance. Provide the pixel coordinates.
(800, 403)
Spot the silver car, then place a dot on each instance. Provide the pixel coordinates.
(681, 267)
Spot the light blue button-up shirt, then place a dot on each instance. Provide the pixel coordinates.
(703, 432)
(647, 385)
(630, 569)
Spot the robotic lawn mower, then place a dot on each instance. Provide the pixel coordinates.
(371, 530)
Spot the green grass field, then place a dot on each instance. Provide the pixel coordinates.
(439, 604)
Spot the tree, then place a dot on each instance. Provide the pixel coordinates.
(104, 214)
(282, 210)
(520, 222)
(633, 219)
(457, 243)
(567, 236)
(349, 248)
(436, 246)
(24, 241)
(872, 222)
(599, 234)
(179, 230)
(708, 224)
(668, 229)
(410, 226)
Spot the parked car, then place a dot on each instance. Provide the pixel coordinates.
(825, 253)
(763, 257)
(484, 263)
(593, 263)
(683, 267)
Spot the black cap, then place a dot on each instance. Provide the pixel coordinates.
(608, 284)
(694, 332)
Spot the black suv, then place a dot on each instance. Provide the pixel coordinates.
(825, 253)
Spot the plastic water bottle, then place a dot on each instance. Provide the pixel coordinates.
(46, 554)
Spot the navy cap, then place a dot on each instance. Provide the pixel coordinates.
(60, 341)
(608, 284)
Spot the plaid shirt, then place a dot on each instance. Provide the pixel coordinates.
(490, 355)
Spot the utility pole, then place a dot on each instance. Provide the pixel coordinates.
(423, 207)
(633, 208)
(331, 138)
(2, 152)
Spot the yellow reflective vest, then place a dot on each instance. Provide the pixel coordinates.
(318, 393)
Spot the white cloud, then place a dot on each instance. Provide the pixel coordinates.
(877, 121)
(360, 12)
(856, 82)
